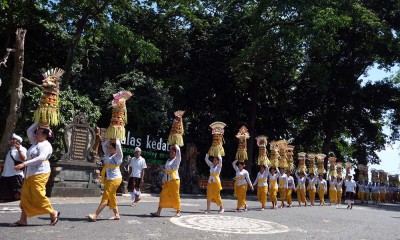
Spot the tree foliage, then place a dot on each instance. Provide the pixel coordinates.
(285, 69)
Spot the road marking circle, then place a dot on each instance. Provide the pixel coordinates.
(229, 224)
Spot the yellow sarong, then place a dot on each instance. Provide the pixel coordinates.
(110, 192)
(289, 195)
(216, 176)
(382, 197)
(321, 195)
(362, 196)
(301, 194)
(311, 193)
(33, 196)
(375, 197)
(332, 196)
(282, 194)
(235, 185)
(262, 194)
(169, 196)
(339, 196)
(213, 193)
(273, 191)
(214, 190)
(282, 190)
(241, 195)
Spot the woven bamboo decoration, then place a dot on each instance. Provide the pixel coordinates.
(332, 166)
(289, 154)
(242, 136)
(302, 162)
(339, 169)
(383, 176)
(48, 111)
(348, 166)
(262, 151)
(365, 173)
(282, 145)
(361, 169)
(321, 161)
(274, 154)
(119, 118)
(311, 163)
(218, 134)
(176, 134)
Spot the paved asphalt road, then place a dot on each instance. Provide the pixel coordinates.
(328, 222)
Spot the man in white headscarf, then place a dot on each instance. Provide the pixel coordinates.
(136, 172)
(350, 185)
(11, 180)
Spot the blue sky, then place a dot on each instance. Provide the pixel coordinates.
(391, 156)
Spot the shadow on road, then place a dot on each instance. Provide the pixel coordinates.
(143, 216)
(383, 206)
(71, 219)
(7, 225)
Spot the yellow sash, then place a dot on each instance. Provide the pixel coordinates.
(103, 171)
(272, 183)
(235, 186)
(261, 181)
(218, 181)
(239, 179)
(301, 185)
(172, 173)
(281, 183)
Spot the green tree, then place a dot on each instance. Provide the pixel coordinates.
(42, 47)
(86, 24)
(344, 39)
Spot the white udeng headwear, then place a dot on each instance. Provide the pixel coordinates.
(18, 138)
(137, 149)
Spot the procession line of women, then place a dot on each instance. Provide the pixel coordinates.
(269, 182)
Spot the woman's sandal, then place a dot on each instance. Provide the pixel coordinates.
(114, 218)
(17, 224)
(154, 214)
(91, 218)
(55, 220)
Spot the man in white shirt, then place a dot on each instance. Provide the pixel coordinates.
(136, 173)
(11, 180)
(350, 185)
